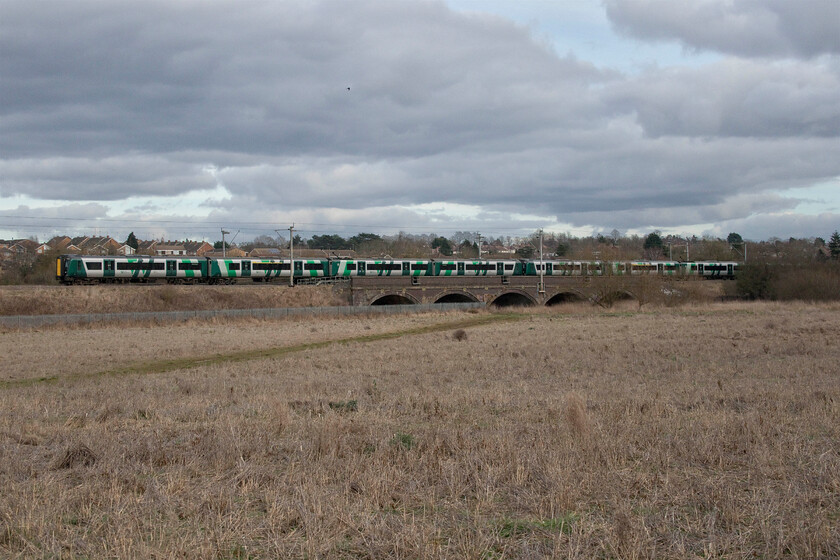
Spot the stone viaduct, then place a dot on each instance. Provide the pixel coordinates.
(500, 290)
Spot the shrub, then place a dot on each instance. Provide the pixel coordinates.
(753, 281)
(813, 282)
(817, 283)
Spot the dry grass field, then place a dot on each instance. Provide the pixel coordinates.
(56, 300)
(693, 432)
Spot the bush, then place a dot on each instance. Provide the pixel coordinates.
(812, 282)
(816, 283)
(30, 269)
(754, 281)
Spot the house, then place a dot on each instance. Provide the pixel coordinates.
(96, 245)
(199, 248)
(61, 243)
(230, 253)
(125, 250)
(320, 253)
(146, 247)
(266, 253)
(22, 246)
(170, 248)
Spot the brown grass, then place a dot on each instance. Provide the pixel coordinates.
(576, 414)
(699, 432)
(44, 300)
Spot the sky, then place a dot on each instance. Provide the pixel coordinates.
(177, 119)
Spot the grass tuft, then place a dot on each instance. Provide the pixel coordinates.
(576, 415)
(74, 456)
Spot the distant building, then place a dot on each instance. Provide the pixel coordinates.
(199, 248)
(146, 247)
(266, 253)
(230, 253)
(169, 248)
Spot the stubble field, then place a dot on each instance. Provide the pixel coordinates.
(670, 433)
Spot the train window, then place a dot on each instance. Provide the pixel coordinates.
(480, 267)
(139, 266)
(418, 267)
(384, 266)
(509, 266)
(313, 266)
(351, 266)
(94, 265)
(447, 266)
(189, 266)
(270, 266)
(233, 266)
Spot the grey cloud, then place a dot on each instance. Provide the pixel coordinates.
(753, 28)
(781, 225)
(728, 208)
(86, 211)
(271, 78)
(157, 98)
(735, 98)
(111, 178)
(626, 174)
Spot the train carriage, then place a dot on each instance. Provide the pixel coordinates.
(381, 268)
(311, 268)
(554, 268)
(76, 268)
(717, 269)
(489, 268)
(228, 270)
(265, 270)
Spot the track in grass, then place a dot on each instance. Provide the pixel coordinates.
(163, 366)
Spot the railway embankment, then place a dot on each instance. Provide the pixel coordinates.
(163, 298)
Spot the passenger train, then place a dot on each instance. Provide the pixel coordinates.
(72, 269)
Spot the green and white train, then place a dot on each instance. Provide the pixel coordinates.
(72, 269)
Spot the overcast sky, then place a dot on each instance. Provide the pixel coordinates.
(179, 118)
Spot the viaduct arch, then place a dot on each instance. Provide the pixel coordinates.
(492, 290)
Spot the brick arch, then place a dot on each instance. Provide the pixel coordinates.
(557, 297)
(512, 293)
(399, 297)
(456, 295)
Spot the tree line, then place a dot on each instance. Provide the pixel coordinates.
(601, 246)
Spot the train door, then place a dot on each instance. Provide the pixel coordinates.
(298, 271)
(171, 268)
(108, 270)
(460, 268)
(729, 270)
(246, 268)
